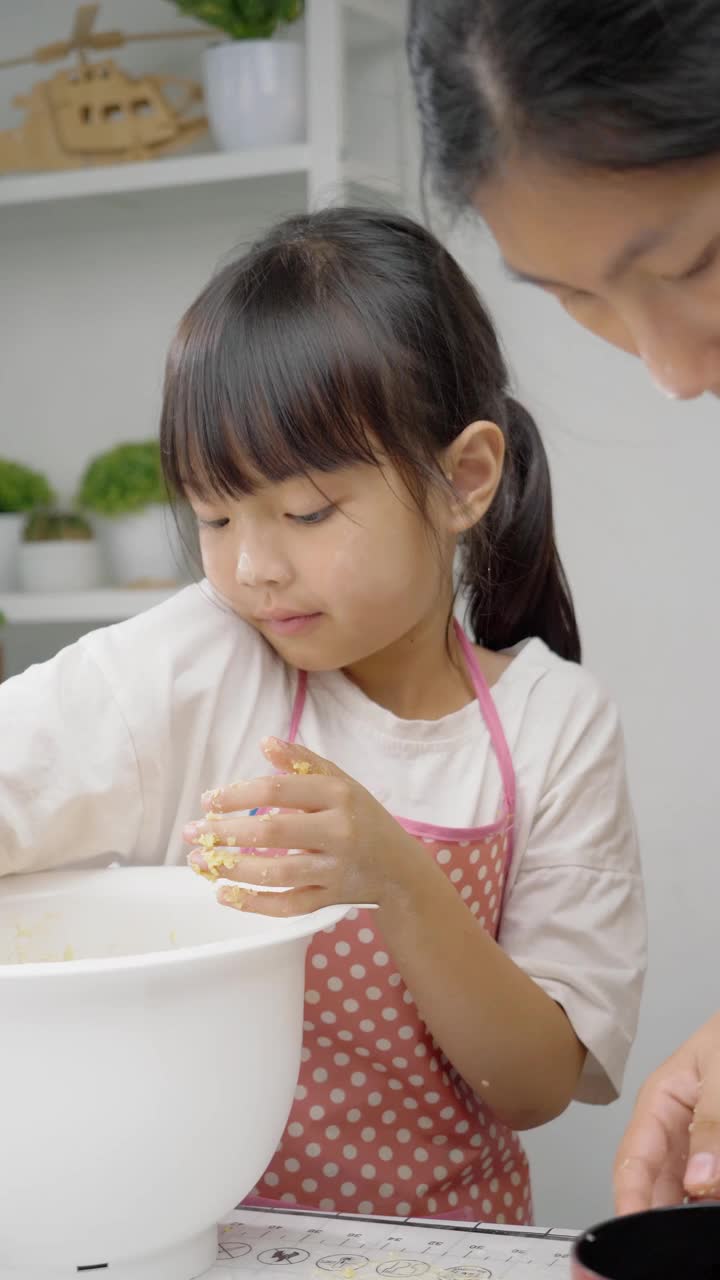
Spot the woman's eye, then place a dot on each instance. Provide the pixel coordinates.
(572, 296)
(213, 524)
(701, 264)
(315, 517)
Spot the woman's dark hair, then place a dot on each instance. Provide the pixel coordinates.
(616, 84)
(349, 330)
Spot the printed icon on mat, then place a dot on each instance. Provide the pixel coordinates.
(342, 1262)
(465, 1273)
(239, 1250)
(283, 1257)
(231, 1241)
(403, 1269)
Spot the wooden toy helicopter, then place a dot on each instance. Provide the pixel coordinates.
(96, 113)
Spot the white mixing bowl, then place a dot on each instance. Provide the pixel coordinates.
(149, 1051)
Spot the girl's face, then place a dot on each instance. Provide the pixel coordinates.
(634, 257)
(329, 568)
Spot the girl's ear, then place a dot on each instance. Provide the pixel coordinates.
(474, 465)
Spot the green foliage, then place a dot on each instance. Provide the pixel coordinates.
(124, 480)
(243, 19)
(22, 489)
(57, 526)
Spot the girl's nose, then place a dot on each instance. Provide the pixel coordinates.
(261, 566)
(245, 570)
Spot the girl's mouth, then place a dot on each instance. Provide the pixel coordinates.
(287, 624)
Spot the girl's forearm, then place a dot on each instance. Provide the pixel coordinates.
(509, 1040)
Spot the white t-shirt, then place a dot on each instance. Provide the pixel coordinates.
(106, 749)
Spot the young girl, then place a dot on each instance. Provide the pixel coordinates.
(336, 411)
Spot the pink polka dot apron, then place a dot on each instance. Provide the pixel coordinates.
(382, 1122)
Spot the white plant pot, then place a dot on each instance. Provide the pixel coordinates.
(143, 549)
(255, 93)
(146, 1082)
(70, 565)
(11, 526)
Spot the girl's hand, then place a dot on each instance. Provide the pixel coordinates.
(346, 846)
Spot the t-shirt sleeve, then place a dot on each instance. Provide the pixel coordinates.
(574, 917)
(69, 783)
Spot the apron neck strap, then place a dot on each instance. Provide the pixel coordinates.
(492, 719)
(487, 706)
(298, 706)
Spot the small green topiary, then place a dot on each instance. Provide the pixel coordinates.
(243, 19)
(22, 489)
(126, 479)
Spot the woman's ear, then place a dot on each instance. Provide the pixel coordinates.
(474, 465)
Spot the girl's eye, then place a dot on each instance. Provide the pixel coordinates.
(213, 524)
(701, 264)
(315, 517)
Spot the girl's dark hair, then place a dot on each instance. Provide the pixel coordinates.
(616, 84)
(350, 331)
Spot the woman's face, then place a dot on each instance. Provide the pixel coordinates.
(634, 257)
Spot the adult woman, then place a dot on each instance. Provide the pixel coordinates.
(588, 138)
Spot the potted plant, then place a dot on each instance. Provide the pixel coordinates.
(58, 553)
(124, 490)
(254, 82)
(21, 490)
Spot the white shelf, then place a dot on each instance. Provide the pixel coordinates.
(183, 171)
(107, 605)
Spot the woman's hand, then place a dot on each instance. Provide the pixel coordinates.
(671, 1148)
(346, 847)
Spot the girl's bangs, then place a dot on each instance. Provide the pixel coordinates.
(261, 389)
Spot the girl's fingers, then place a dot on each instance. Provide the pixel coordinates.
(297, 902)
(303, 781)
(268, 831)
(290, 757)
(303, 870)
(310, 792)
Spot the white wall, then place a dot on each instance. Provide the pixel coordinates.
(90, 293)
(636, 485)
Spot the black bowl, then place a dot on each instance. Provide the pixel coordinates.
(682, 1243)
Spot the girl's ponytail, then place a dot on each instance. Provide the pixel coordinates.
(512, 573)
